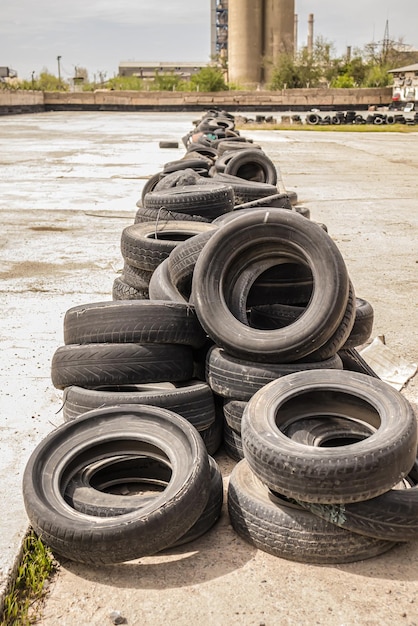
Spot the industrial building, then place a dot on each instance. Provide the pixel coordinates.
(246, 35)
(148, 70)
(252, 34)
(405, 83)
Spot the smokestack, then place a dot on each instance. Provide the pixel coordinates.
(295, 34)
(310, 33)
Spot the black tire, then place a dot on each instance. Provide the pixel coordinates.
(111, 432)
(363, 324)
(346, 474)
(146, 321)
(161, 286)
(278, 200)
(259, 284)
(274, 525)
(168, 144)
(190, 162)
(97, 364)
(271, 316)
(392, 516)
(354, 362)
(160, 215)
(245, 190)
(313, 119)
(146, 245)
(88, 490)
(232, 443)
(193, 400)
(121, 290)
(235, 378)
(212, 510)
(150, 184)
(233, 410)
(274, 234)
(207, 200)
(337, 340)
(213, 435)
(232, 145)
(253, 165)
(182, 260)
(135, 277)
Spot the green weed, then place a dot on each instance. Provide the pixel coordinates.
(22, 603)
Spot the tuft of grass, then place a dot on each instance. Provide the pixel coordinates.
(23, 601)
(336, 128)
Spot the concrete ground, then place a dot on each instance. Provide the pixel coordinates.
(68, 186)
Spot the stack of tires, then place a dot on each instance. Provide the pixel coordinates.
(329, 473)
(233, 323)
(252, 275)
(220, 172)
(130, 472)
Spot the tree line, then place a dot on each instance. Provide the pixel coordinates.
(366, 67)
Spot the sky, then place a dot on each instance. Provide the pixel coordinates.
(99, 34)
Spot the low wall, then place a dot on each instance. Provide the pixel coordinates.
(104, 100)
(12, 102)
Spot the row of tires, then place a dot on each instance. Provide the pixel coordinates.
(244, 334)
(352, 117)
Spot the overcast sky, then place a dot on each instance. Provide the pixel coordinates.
(98, 34)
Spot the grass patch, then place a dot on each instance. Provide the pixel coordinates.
(23, 601)
(335, 128)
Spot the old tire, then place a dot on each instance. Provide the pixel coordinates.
(146, 321)
(115, 431)
(283, 529)
(97, 364)
(193, 400)
(276, 234)
(350, 473)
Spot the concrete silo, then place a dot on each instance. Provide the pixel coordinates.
(258, 32)
(245, 41)
(278, 32)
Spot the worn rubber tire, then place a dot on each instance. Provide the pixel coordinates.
(86, 491)
(232, 443)
(113, 431)
(230, 377)
(135, 277)
(144, 214)
(245, 190)
(283, 529)
(208, 200)
(96, 364)
(146, 245)
(182, 261)
(146, 321)
(350, 473)
(161, 286)
(121, 290)
(275, 234)
(193, 400)
(233, 410)
(252, 165)
(392, 516)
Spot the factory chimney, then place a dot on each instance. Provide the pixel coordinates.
(295, 34)
(310, 33)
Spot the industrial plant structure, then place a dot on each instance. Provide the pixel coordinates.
(252, 34)
(247, 36)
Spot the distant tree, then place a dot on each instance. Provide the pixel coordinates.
(209, 79)
(125, 83)
(165, 82)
